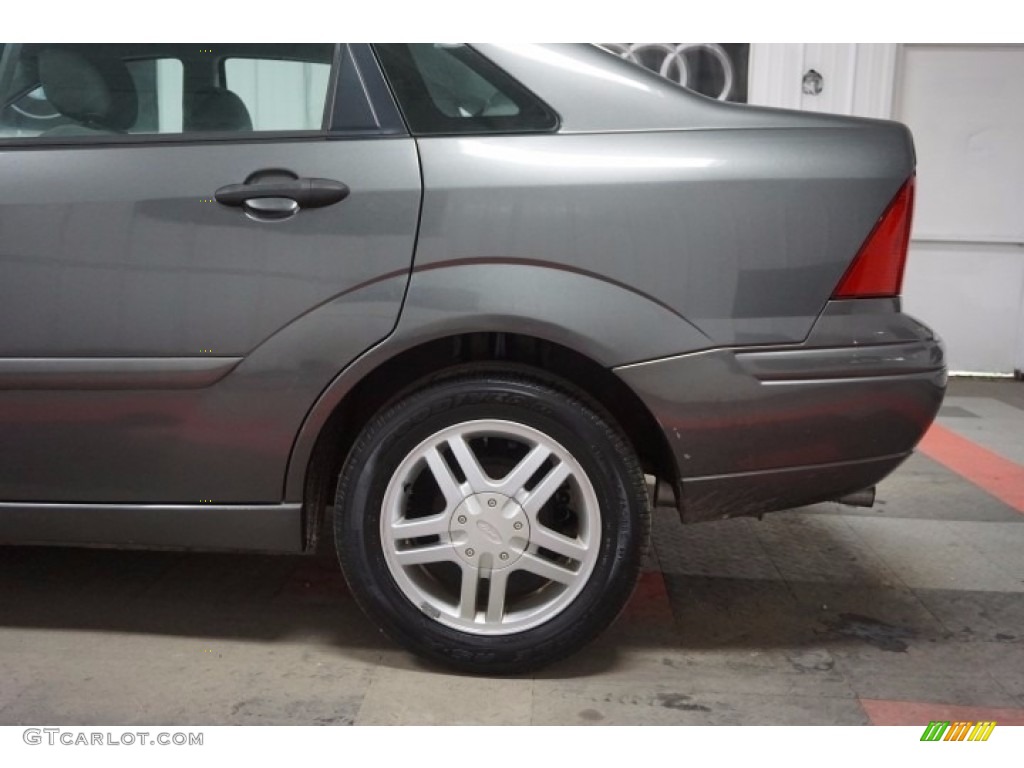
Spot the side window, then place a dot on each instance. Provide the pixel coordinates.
(445, 88)
(159, 88)
(280, 95)
(53, 91)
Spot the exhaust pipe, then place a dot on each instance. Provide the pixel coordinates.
(862, 498)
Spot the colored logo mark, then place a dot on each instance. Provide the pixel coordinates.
(961, 730)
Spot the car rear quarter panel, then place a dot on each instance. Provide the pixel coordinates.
(744, 233)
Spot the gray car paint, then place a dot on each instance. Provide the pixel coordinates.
(668, 234)
(121, 252)
(595, 91)
(659, 212)
(765, 429)
(120, 258)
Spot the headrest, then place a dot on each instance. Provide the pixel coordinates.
(97, 91)
(217, 109)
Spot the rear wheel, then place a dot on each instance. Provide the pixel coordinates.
(492, 522)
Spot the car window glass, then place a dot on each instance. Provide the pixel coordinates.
(446, 88)
(112, 90)
(280, 95)
(159, 84)
(455, 88)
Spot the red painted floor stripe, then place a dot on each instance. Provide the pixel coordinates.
(650, 599)
(884, 712)
(991, 472)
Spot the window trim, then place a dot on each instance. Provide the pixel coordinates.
(330, 127)
(330, 98)
(376, 90)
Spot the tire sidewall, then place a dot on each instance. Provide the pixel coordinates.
(396, 432)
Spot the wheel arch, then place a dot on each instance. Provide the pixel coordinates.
(357, 393)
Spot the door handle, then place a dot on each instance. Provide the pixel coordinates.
(305, 193)
(271, 207)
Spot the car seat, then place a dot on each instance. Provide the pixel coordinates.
(95, 91)
(217, 109)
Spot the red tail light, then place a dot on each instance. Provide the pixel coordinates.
(877, 269)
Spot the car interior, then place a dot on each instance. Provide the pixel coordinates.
(88, 90)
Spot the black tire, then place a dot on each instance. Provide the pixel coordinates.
(581, 427)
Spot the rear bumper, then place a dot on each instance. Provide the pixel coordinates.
(758, 430)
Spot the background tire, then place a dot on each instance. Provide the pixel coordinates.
(492, 521)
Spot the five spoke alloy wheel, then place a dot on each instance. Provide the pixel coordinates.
(492, 529)
(491, 521)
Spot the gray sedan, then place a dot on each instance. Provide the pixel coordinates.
(463, 312)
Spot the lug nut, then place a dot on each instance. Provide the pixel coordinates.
(492, 503)
(504, 555)
(470, 552)
(462, 519)
(518, 526)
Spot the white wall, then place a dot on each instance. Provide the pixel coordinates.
(965, 105)
(858, 77)
(965, 273)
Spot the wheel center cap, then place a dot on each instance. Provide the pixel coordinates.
(489, 530)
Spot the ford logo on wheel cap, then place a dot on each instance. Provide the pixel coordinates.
(489, 531)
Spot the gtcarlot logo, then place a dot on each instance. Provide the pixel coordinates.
(963, 729)
(69, 738)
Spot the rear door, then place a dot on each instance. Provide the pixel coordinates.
(193, 242)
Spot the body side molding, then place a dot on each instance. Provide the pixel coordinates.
(259, 527)
(114, 372)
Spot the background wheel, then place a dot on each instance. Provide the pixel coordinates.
(492, 522)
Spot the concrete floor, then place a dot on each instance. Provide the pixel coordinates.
(910, 612)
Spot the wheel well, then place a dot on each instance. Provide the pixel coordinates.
(411, 367)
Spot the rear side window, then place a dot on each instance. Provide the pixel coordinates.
(71, 91)
(157, 85)
(445, 88)
(280, 95)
